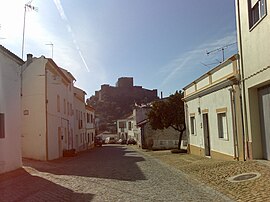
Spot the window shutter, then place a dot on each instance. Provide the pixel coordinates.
(224, 123)
(2, 125)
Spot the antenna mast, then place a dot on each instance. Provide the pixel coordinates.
(27, 6)
(50, 44)
(222, 49)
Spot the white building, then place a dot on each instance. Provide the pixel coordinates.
(126, 127)
(80, 139)
(10, 110)
(253, 43)
(90, 126)
(213, 113)
(46, 109)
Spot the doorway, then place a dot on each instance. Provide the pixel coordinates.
(264, 107)
(207, 148)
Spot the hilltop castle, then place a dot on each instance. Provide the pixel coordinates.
(125, 87)
(115, 102)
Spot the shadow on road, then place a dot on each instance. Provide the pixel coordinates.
(19, 185)
(108, 162)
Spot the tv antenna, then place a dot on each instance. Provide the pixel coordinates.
(50, 44)
(27, 7)
(222, 49)
(0, 36)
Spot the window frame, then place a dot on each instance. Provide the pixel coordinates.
(192, 120)
(224, 134)
(256, 9)
(58, 103)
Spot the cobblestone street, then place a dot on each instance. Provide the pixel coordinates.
(109, 173)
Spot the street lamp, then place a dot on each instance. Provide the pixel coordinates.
(30, 7)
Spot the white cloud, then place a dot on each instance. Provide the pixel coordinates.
(64, 17)
(192, 59)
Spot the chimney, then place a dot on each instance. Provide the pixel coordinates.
(29, 58)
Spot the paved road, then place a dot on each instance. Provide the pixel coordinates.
(109, 173)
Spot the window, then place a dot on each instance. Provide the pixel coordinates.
(122, 124)
(91, 118)
(2, 125)
(64, 106)
(192, 125)
(222, 126)
(257, 9)
(65, 135)
(88, 117)
(129, 125)
(71, 110)
(58, 103)
(68, 107)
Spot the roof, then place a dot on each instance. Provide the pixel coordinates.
(58, 69)
(68, 73)
(229, 60)
(78, 89)
(143, 122)
(7, 52)
(89, 107)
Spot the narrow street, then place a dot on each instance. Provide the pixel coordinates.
(108, 173)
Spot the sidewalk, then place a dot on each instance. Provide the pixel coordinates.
(215, 173)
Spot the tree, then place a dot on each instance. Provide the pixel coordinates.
(169, 113)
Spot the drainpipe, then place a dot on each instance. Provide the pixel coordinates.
(46, 113)
(243, 96)
(234, 123)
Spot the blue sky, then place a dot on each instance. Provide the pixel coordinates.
(161, 43)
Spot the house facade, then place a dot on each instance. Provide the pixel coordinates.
(213, 113)
(80, 138)
(90, 125)
(253, 43)
(10, 109)
(47, 112)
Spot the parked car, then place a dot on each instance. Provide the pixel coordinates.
(131, 141)
(119, 141)
(110, 140)
(98, 141)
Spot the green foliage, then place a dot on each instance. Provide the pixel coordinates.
(169, 113)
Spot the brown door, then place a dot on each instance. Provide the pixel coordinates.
(206, 135)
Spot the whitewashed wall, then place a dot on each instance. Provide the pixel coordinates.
(212, 102)
(34, 110)
(10, 146)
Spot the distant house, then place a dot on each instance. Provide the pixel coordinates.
(90, 126)
(253, 43)
(10, 110)
(80, 137)
(213, 112)
(107, 134)
(157, 139)
(47, 109)
(125, 128)
(153, 139)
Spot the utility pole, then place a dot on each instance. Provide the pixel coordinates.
(26, 6)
